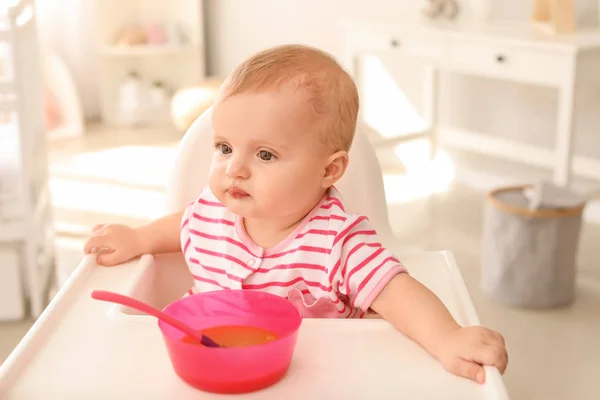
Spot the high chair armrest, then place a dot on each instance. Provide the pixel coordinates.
(458, 300)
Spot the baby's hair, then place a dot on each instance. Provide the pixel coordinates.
(332, 90)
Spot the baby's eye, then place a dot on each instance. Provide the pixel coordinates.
(225, 149)
(265, 155)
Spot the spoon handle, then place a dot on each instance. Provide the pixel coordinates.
(140, 306)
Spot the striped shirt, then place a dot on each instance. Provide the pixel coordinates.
(331, 265)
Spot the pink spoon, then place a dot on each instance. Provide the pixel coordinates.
(148, 309)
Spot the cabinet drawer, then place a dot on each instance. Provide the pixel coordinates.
(428, 48)
(516, 63)
(418, 46)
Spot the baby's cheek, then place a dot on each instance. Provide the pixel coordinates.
(215, 184)
(276, 195)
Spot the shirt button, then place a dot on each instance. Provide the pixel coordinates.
(251, 262)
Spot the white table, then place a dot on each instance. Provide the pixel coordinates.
(85, 349)
(515, 52)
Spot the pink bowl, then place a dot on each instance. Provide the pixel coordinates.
(237, 369)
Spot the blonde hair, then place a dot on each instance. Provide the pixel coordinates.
(332, 91)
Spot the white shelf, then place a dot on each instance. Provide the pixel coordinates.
(176, 65)
(147, 50)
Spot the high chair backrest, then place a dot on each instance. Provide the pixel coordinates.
(361, 186)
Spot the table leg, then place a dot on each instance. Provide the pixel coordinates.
(430, 114)
(430, 106)
(565, 133)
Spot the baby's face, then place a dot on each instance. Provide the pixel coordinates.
(267, 163)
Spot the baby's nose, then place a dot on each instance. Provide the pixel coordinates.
(237, 168)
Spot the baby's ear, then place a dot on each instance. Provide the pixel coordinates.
(336, 166)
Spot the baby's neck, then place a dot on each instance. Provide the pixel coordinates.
(269, 233)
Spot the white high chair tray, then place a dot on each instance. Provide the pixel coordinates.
(81, 348)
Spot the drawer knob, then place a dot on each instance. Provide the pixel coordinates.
(500, 58)
(394, 43)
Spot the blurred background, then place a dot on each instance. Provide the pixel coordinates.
(95, 100)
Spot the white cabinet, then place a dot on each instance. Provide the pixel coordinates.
(513, 52)
(169, 49)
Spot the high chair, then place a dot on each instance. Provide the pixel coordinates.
(79, 347)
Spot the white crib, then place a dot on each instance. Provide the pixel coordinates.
(26, 235)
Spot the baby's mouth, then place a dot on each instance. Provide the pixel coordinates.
(237, 193)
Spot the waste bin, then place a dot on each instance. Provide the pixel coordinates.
(529, 256)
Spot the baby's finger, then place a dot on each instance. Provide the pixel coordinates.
(109, 259)
(503, 360)
(491, 355)
(98, 228)
(94, 243)
(499, 337)
(494, 338)
(467, 369)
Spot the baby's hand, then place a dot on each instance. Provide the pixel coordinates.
(465, 350)
(114, 244)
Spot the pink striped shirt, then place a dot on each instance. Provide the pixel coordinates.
(332, 265)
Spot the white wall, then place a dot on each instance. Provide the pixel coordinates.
(238, 28)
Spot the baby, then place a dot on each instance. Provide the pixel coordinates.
(271, 218)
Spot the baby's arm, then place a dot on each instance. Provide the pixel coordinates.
(420, 315)
(115, 244)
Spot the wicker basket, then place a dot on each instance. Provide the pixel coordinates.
(529, 257)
